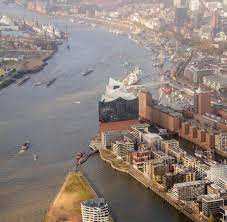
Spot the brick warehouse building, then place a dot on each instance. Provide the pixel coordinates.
(163, 116)
(174, 121)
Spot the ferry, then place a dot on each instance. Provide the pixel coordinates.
(133, 77)
(49, 83)
(23, 80)
(89, 71)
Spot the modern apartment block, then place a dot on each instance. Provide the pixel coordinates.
(122, 148)
(211, 205)
(189, 190)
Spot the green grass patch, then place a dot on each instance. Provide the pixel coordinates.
(77, 184)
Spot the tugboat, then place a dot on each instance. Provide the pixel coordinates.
(24, 147)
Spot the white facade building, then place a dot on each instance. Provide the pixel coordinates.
(218, 175)
(95, 210)
(194, 5)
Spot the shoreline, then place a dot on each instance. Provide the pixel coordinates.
(28, 67)
(148, 183)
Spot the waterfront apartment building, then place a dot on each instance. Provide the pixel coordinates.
(211, 204)
(152, 140)
(172, 148)
(218, 175)
(139, 159)
(189, 190)
(95, 210)
(122, 148)
(169, 179)
(138, 130)
(109, 137)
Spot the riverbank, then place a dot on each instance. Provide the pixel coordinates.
(36, 64)
(112, 159)
(28, 66)
(66, 205)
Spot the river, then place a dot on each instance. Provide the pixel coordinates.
(58, 126)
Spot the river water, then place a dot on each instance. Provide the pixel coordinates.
(58, 126)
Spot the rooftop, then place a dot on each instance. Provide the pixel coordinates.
(99, 202)
(116, 89)
(188, 184)
(218, 172)
(211, 197)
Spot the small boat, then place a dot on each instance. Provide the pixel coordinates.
(35, 157)
(49, 83)
(38, 84)
(24, 147)
(76, 102)
(89, 71)
(23, 80)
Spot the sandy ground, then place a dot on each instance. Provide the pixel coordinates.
(66, 206)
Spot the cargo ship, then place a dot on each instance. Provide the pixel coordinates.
(89, 71)
(49, 83)
(23, 80)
